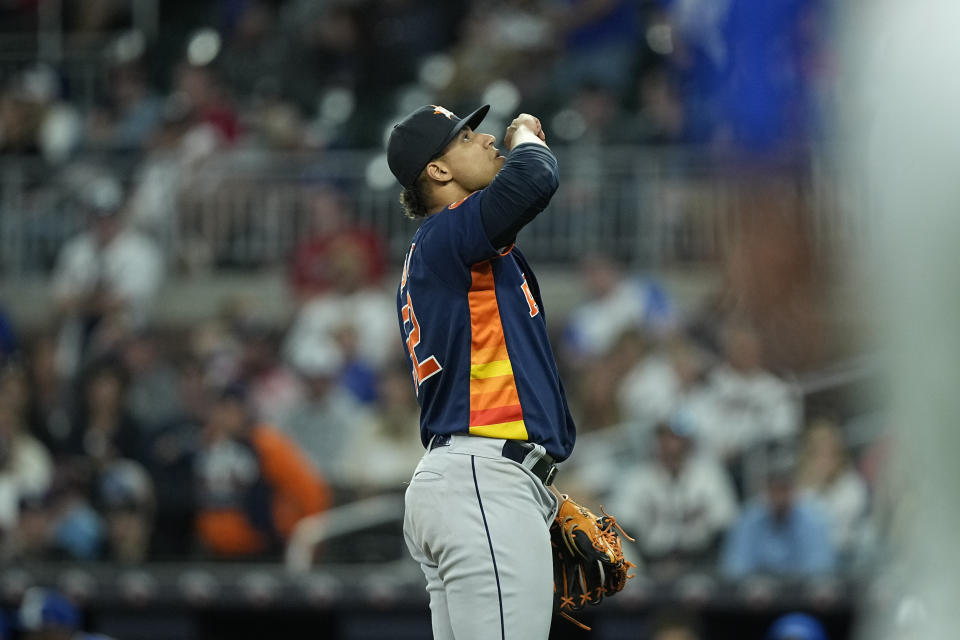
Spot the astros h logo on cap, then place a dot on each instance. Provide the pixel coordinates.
(443, 111)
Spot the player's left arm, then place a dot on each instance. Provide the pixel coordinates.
(524, 185)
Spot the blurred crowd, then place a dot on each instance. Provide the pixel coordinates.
(124, 440)
(127, 441)
(295, 75)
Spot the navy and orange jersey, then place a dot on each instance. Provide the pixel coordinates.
(473, 325)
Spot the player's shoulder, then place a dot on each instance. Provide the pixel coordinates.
(467, 204)
(448, 219)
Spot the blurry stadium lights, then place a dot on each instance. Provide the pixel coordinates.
(198, 586)
(128, 46)
(378, 173)
(203, 47)
(412, 98)
(502, 96)
(337, 105)
(660, 38)
(568, 125)
(437, 71)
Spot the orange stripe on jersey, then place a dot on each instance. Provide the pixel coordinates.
(489, 385)
(498, 398)
(495, 411)
(483, 355)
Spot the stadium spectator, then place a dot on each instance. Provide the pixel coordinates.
(35, 120)
(26, 468)
(103, 430)
(60, 524)
(125, 498)
(745, 409)
(50, 403)
(273, 387)
(15, 391)
(182, 145)
(677, 505)
(169, 452)
(598, 114)
(780, 533)
(207, 100)
(825, 474)
(354, 309)
(612, 304)
(379, 458)
(312, 266)
(105, 279)
(327, 418)
(152, 394)
(665, 378)
(131, 111)
(254, 484)
(595, 388)
(659, 117)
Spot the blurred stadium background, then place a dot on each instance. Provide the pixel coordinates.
(205, 415)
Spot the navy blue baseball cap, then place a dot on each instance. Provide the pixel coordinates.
(422, 135)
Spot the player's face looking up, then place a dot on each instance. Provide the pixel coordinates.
(471, 160)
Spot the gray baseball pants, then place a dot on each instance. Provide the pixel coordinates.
(478, 524)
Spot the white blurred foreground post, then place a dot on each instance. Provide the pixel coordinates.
(902, 133)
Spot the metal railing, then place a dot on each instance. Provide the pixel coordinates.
(650, 208)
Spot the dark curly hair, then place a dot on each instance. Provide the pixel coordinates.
(414, 199)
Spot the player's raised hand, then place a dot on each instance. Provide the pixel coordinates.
(524, 128)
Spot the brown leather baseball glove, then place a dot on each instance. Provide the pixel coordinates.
(588, 562)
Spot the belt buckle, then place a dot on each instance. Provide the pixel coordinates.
(550, 476)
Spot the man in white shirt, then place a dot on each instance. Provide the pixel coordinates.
(743, 404)
(106, 277)
(678, 504)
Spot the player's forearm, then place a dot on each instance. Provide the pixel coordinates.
(521, 190)
(525, 135)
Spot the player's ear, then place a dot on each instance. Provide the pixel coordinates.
(439, 171)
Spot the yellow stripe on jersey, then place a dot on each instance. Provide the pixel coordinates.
(516, 430)
(491, 370)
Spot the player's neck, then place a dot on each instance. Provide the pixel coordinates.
(446, 195)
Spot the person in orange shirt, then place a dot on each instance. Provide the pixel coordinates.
(254, 484)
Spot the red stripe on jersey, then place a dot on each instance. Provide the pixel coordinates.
(510, 413)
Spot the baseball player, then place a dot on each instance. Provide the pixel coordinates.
(494, 415)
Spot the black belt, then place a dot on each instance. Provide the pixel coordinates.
(517, 450)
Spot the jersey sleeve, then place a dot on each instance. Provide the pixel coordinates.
(455, 237)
